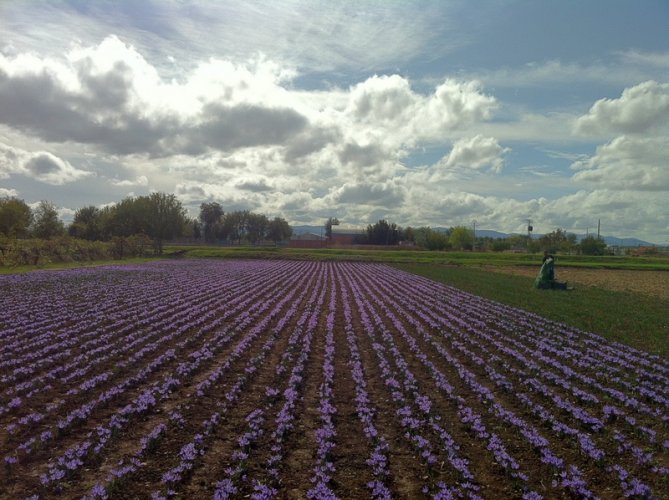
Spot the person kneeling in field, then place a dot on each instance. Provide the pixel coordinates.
(546, 278)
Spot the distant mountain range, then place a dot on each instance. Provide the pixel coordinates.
(489, 233)
(610, 240)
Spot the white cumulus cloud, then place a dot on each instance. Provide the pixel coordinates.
(628, 163)
(142, 180)
(476, 153)
(640, 109)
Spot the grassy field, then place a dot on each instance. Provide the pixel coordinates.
(71, 265)
(425, 257)
(633, 319)
(381, 255)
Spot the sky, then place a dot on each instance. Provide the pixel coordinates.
(424, 113)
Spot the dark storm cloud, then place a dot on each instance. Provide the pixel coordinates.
(254, 186)
(100, 112)
(309, 142)
(361, 155)
(42, 165)
(37, 103)
(108, 91)
(371, 194)
(226, 127)
(196, 192)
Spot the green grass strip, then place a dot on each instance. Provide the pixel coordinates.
(395, 255)
(630, 318)
(55, 266)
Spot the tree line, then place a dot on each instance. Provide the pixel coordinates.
(389, 233)
(240, 226)
(134, 221)
(158, 217)
(464, 238)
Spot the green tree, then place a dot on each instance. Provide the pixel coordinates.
(279, 230)
(128, 217)
(383, 233)
(87, 224)
(394, 234)
(408, 234)
(332, 221)
(211, 215)
(46, 224)
(557, 240)
(197, 231)
(517, 241)
(165, 217)
(437, 240)
(227, 229)
(159, 216)
(591, 245)
(500, 245)
(430, 239)
(15, 217)
(461, 238)
(256, 227)
(234, 225)
(108, 222)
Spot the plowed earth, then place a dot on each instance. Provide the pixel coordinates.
(272, 379)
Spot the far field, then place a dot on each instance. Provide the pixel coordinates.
(498, 259)
(651, 283)
(622, 298)
(628, 316)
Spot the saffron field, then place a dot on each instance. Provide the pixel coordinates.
(294, 379)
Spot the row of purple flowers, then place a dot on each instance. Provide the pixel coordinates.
(452, 365)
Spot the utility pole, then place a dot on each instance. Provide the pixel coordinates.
(474, 243)
(599, 222)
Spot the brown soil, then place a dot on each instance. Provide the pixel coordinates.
(654, 283)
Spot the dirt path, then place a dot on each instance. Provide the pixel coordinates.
(654, 283)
